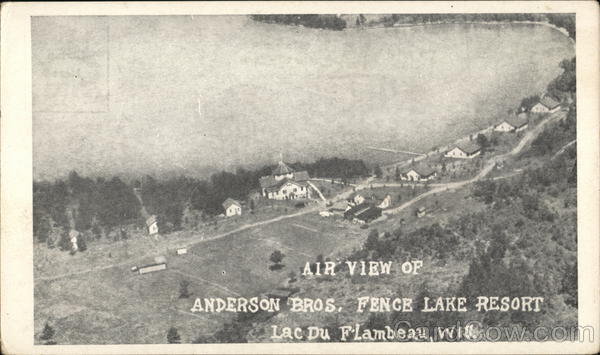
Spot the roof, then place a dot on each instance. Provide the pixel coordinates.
(301, 175)
(422, 170)
(279, 184)
(282, 169)
(269, 181)
(371, 212)
(73, 233)
(469, 147)
(549, 102)
(357, 209)
(230, 202)
(151, 220)
(516, 121)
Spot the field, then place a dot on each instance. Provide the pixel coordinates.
(116, 305)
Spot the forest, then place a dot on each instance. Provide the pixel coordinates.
(332, 22)
(103, 206)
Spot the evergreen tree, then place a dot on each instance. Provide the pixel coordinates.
(48, 334)
(173, 336)
(184, 291)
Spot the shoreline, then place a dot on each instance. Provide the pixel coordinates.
(422, 24)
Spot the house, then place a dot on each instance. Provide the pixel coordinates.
(232, 207)
(420, 173)
(182, 251)
(547, 104)
(386, 203)
(355, 200)
(515, 124)
(464, 151)
(421, 212)
(152, 225)
(363, 213)
(285, 183)
(151, 268)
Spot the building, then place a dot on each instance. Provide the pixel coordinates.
(363, 213)
(152, 225)
(355, 200)
(421, 212)
(516, 124)
(232, 207)
(181, 251)
(464, 151)
(386, 203)
(547, 104)
(420, 173)
(285, 183)
(151, 268)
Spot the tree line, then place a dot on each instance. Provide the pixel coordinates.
(104, 205)
(330, 22)
(565, 21)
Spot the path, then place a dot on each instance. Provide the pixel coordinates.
(491, 163)
(564, 148)
(129, 262)
(317, 190)
(388, 150)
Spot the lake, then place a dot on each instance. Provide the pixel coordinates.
(189, 94)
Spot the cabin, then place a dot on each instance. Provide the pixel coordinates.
(420, 173)
(547, 104)
(232, 207)
(152, 225)
(386, 202)
(146, 269)
(363, 213)
(355, 200)
(464, 151)
(285, 183)
(516, 124)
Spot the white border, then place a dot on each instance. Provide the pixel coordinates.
(16, 155)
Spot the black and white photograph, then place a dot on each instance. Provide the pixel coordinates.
(299, 177)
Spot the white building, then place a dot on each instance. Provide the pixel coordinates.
(152, 225)
(516, 124)
(386, 203)
(419, 173)
(285, 184)
(547, 104)
(232, 207)
(466, 151)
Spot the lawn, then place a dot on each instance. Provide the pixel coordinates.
(119, 306)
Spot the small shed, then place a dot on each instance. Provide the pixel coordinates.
(152, 225)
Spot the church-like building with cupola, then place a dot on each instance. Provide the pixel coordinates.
(285, 183)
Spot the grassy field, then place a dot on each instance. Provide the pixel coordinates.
(118, 306)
